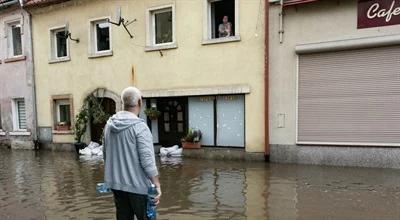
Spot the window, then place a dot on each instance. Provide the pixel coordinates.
(161, 26)
(101, 39)
(19, 114)
(62, 117)
(59, 43)
(222, 19)
(14, 39)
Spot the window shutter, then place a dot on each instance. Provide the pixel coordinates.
(350, 97)
(21, 114)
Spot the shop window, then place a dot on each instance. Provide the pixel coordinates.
(59, 43)
(222, 18)
(201, 116)
(14, 33)
(230, 121)
(62, 113)
(161, 26)
(19, 114)
(101, 36)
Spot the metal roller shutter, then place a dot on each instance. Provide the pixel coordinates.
(350, 97)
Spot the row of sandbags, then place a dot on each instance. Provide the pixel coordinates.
(92, 149)
(173, 151)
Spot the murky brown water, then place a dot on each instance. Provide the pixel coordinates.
(47, 185)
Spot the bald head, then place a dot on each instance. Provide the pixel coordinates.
(131, 97)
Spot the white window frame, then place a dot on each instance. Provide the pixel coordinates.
(207, 19)
(150, 28)
(53, 45)
(93, 52)
(61, 102)
(8, 35)
(16, 115)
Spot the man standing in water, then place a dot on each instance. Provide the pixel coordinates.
(129, 161)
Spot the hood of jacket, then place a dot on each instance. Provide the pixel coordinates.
(123, 120)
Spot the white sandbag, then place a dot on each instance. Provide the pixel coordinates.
(86, 151)
(93, 145)
(100, 153)
(97, 150)
(164, 151)
(176, 153)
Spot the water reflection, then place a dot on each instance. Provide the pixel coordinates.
(47, 185)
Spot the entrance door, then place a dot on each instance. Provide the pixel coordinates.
(96, 129)
(172, 121)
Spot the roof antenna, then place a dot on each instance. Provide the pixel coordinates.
(121, 20)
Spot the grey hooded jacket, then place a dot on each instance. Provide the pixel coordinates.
(129, 159)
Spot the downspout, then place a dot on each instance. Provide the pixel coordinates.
(266, 81)
(31, 68)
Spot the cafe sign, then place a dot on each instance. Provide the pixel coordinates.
(376, 13)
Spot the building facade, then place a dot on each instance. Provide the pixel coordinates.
(17, 105)
(198, 71)
(334, 82)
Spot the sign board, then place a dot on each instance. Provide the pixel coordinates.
(376, 13)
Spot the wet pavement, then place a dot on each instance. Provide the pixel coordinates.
(55, 185)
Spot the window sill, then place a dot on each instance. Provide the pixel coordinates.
(63, 132)
(19, 133)
(221, 40)
(59, 60)
(2, 133)
(100, 54)
(161, 47)
(15, 59)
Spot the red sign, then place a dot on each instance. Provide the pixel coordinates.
(375, 13)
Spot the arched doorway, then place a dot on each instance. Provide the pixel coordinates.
(96, 129)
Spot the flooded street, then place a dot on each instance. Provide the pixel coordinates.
(47, 185)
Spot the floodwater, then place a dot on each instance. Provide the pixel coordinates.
(55, 185)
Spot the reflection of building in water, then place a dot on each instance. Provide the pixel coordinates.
(220, 192)
(256, 193)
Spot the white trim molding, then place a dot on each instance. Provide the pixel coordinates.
(213, 90)
(207, 26)
(151, 44)
(19, 133)
(53, 45)
(348, 44)
(92, 45)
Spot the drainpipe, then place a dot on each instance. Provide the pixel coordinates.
(31, 69)
(266, 81)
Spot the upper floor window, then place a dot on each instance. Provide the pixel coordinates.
(59, 43)
(14, 43)
(161, 26)
(101, 36)
(19, 114)
(222, 20)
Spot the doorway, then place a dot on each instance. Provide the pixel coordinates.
(96, 129)
(172, 123)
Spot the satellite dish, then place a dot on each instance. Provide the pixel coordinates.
(119, 13)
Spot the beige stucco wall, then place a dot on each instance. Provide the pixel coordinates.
(190, 65)
(320, 21)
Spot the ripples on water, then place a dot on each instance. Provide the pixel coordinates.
(58, 185)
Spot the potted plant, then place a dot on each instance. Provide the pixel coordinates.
(91, 108)
(192, 139)
(63, 126)
(152, 113)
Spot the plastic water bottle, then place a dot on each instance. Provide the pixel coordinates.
(151, 206)
(102, 188)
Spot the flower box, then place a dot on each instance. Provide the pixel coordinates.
(191, 145)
